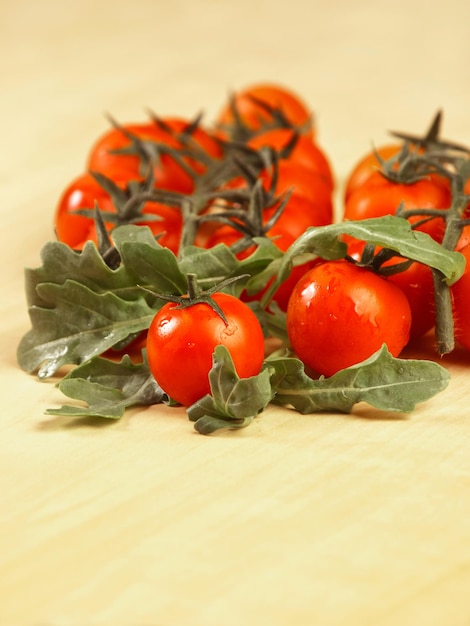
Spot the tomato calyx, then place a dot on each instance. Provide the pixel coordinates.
(195, 295)
(106, 249)
(421, 155)
(249, 221)
(150, 151)
(431, 139)
(407, 166)
(186, 137)
(239, 130)
(375, 260)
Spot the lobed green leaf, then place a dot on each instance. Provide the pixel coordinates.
(151, 264)
(383, 381)
(61, 263)
(234, 401)
(108, 388)
(77, 324)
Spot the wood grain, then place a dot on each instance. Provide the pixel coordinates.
(326, 520)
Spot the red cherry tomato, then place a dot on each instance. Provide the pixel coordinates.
(82, 193)
(305, 151)
(383, 197)
(107, 157)
(339, 314)
(198, 144)
(417, 284)
(258, 107)
(301, 182)
(367, 166)
(181, 342)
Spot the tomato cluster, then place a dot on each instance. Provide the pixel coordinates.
(259, 172)
(177, 176)
(425, 180)
(340, 312)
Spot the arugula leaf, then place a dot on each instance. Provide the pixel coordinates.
(61, 263)
(214, 265)
(234, 401)
(151, 264)
(109, 388)
(79, 307)
(388, 231)
(77, 324)
(383, 381)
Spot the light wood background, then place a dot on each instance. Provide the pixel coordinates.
(326, 520)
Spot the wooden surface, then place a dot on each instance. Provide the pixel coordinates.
(326, 520)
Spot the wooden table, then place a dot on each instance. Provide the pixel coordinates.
(321, 520)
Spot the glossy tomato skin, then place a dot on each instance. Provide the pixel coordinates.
(255, 116)
(181, 342)
(339, 314)
(417, 284)
(383, 197)
(461, 303)
(168, 228)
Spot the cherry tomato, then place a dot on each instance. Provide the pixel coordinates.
(461, 303)
(258, 105)
(85, 190)
(308, 189)
(339, 314)
(168, 227)
(417, 284)
(104, 156)
(302, 182)
(181, 342)
(305, 151)
(368, 165)
(193, 139)
(81, 193)
(384, 197)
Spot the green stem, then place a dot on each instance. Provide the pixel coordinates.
(444, 328)
(194, 290)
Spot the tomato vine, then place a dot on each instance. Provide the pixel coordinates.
(172, 213)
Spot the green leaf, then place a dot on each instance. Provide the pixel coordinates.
(77, 324)
(108, 388)
(151, 264)
(61, 263)
(388, 232)
(383, 381)
(214, 265)
(234, 401)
